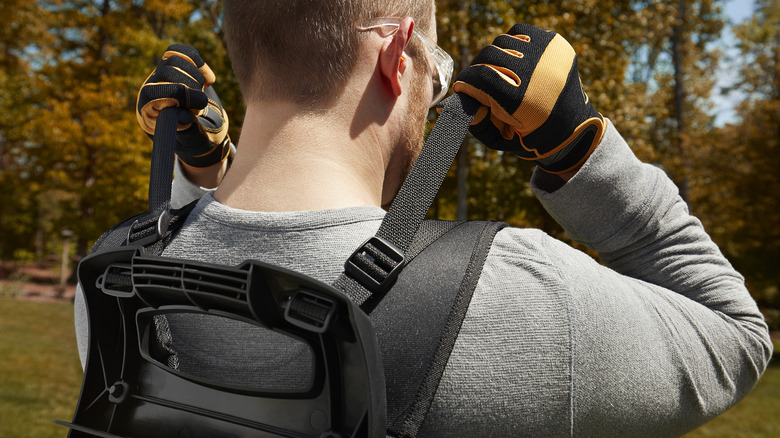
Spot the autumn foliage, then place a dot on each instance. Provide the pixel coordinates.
(72, 156)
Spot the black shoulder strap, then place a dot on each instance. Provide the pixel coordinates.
(150, 227)
(373, 267)
(417, 324)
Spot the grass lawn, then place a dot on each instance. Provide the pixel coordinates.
(756, 416)
(40, 378)
(40, 374)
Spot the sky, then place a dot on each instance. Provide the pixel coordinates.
(737, 11)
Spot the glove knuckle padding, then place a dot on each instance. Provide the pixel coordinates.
(179, 70)
(175, 82)
(192, 57)
(507, 94)
(184, 51)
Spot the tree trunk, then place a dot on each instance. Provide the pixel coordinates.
(463, 155)
(678, 42)
(4, 164)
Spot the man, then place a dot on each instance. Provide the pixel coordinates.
(655, 342)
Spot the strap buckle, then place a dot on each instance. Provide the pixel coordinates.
(310, 311)
(144, 232)
(375, 264)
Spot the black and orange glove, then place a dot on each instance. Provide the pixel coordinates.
(183, 80)
(533, 102)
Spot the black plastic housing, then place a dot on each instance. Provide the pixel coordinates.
(126, 393)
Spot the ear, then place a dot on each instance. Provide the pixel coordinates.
(393, 61)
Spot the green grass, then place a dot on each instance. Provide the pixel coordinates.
(756, 416)
(40, 374)
(40, 378)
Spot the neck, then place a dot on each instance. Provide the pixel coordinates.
(287, 160)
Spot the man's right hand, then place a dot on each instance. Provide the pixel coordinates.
(533, 102)
(183, 80)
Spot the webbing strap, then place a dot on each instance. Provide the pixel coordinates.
(366, 274)
(163, 150)
(417, 193)
(152, 225)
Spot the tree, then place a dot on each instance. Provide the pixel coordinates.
(605, 34)
(78, 146)
(464, 27)
(69, 75)
(678, 67)
(89, 145)
(21, 42)
(738, 195)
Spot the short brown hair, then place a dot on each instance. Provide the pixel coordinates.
(303, 50)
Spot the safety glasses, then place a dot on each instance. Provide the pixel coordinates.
(440, 62)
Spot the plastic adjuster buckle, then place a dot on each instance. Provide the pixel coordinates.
(163, 220)
(366, 279)
(310, 311)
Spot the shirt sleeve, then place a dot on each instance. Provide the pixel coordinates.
(665, 334)
(184, 191)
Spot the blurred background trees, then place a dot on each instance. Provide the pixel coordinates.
(71, 154)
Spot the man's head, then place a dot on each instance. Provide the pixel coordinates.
(369, 63)
(305, 50)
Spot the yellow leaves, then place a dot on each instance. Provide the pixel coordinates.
(170, 9)
(70, 112)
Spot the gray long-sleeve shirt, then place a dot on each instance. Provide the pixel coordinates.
(655, 341)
